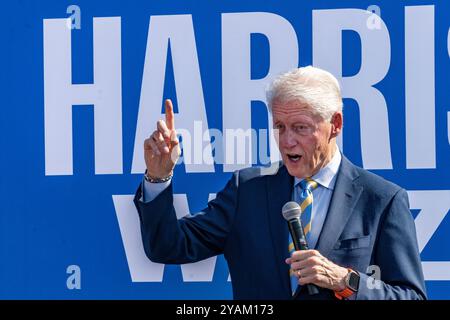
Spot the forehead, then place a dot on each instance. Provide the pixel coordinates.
(293, 110)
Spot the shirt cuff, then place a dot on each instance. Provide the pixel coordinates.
(151, 190)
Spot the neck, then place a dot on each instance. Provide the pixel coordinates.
(327, 158)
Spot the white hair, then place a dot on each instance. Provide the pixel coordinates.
(316, 87)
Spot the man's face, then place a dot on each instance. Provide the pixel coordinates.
(306, 141)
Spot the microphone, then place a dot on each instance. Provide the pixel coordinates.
(291, 212)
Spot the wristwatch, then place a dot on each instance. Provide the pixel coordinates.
(351, 285)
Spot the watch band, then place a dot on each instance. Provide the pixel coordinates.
(347, 292)
(344, 294)
(157, 180)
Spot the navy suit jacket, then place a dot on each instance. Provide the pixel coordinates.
(368, 223)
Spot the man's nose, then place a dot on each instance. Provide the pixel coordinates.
(288, 139)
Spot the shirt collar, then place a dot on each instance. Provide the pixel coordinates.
(326, 176)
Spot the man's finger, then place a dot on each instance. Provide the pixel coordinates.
(305, 280)
(162, 127)
(160, 142)
(170, 121)
(304, 264)
(174, 139)
(307, 272)
(303, 254)
(318, 280)
(153, 146)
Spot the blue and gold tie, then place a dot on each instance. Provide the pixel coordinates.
(306, 200)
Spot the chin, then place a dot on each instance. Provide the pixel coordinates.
(296, 172)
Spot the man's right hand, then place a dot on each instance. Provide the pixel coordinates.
(161, 149)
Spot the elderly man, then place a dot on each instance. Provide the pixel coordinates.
(355, 222)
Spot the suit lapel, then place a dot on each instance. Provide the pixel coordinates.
(279, 191)
(346, 194)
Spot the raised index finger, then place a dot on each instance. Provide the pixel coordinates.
(170, 121)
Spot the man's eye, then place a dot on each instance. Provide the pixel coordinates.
(279, 126)
(303, 129)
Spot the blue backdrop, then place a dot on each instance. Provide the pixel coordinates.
(68, 229)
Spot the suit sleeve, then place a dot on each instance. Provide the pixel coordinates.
(397, 256)
(191, 238)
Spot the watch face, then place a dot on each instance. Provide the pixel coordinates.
(353, 281)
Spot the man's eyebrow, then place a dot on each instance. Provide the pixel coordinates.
(303, 121)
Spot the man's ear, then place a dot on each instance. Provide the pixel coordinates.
(336, 124)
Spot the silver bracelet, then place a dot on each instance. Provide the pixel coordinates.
(157, 180)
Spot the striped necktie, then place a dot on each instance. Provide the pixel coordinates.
(305, 200)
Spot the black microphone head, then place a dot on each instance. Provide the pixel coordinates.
(291, 210)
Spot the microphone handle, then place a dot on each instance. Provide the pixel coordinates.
(298, 237)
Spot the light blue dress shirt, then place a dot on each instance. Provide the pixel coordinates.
(152, 190)
(326, 178)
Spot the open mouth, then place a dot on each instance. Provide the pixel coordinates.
(294, 157)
